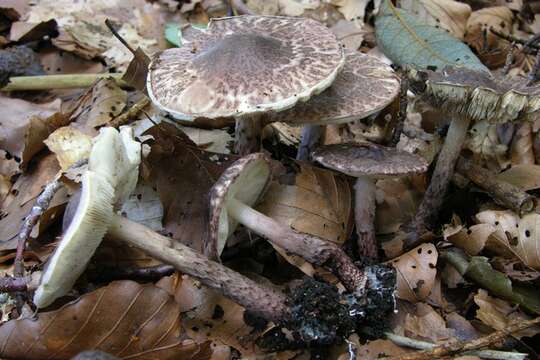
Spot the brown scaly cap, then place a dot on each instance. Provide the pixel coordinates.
(246, 180)
(477, 94)
(356, 160)
(245, 65)
(364, 86)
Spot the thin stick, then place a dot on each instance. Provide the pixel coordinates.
(51, 82)
(504, 193)
(402, 113)
(42, 204)
(423, 345)
(125, 118)
(117, 35)
(459, 346)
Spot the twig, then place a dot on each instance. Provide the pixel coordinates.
(124, 118)
(509, 58)
(51, 82)
(118, 36)
(42, 204)
(514, 39)
(504, 193)
(459, 346)
(402, 113)
(423, 345)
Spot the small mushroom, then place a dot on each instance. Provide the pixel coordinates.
(368, 162)
(231, 198)
(365, 86)
(245, 67)
(466, 95)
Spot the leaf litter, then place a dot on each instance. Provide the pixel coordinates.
(475, 276)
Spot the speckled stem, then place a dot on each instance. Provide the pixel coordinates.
(263, 301)
(248, 133)
(444, 170)
(504, 193)
(364, 216)
(311, 138)
(312, 248)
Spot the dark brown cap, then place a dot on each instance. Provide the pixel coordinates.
(364, 86)
(367, 159)
(245, 65)
(245, 180)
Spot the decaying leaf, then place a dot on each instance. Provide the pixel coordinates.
(522, 145)
(310, 200)
(124, 318)
(376, 349)
(486, 146)
(70, 145)
(479, 35)
(447, 14)
(216, 140)
(498, 314)
(426, 324)
(349, 33)
(416, 271)
(144, 206)
(526, 176)
(174, 155)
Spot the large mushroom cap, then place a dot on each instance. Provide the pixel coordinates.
(245, 181)
(366, 159)
(245, 65)
(364, 86)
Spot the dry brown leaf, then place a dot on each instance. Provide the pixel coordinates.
(183, 175)
(498, 313)
(446, 14)
(515, 269)
(416, 271)
(263, 7)
(296, 7)
(69, 145)
(310, 200)
(478, 33)
(124, 318)
(376, 349)
(353, 9)
(397, 200)
(522, 145)
(21, 199)
(462, 327)
(349, 33)
(426, 324)
(25, 125)
(526, 176)
(208, 315)
(484, 142)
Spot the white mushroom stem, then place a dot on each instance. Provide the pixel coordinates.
(310, 139)
(444, 170)
(248, 132)
(312, 248)
(364, 216)
(263, 301)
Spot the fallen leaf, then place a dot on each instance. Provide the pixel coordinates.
(349, 33)
(352, 9)
(215, 140)
(498, 314)
(416, 271)
(521, 151)
(144, 207)
(486, 146)
(69, 145)
(397, 200)
(525, 176)
(446, 14)
(124, 318)
(427, 324)
(376, 349)
(462, 327)
(296, 7)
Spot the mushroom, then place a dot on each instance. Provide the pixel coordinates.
(365, 86)
(231, 198)
(245, 67)
(466, 95)
(368, 162)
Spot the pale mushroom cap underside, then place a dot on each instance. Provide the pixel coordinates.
(477, 94)
(364, 86)
(367, 159)
(245, 65)
(245, 180)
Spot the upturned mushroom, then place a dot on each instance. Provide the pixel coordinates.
(368, 162)
(466, 95)
(231, 198)
(245, 67)
(365, 86)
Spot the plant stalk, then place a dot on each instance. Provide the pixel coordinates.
(52, 82)
(364, 216)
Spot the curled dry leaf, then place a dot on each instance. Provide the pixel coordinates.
(482, 39)
(522, 145)
(310, 200)
(426, 324)
(69, 145)
(484, 142)
(498, 314)
(25, 125)
(447, 14)
(416, 271)
(125, 319)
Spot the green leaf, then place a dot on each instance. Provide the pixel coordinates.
(173, 34)
(406, 40)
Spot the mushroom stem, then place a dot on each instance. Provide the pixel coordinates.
(444, 170)
(310, 139)
(261, 300)
(248, 132)
(364, 216)
(312, 248)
